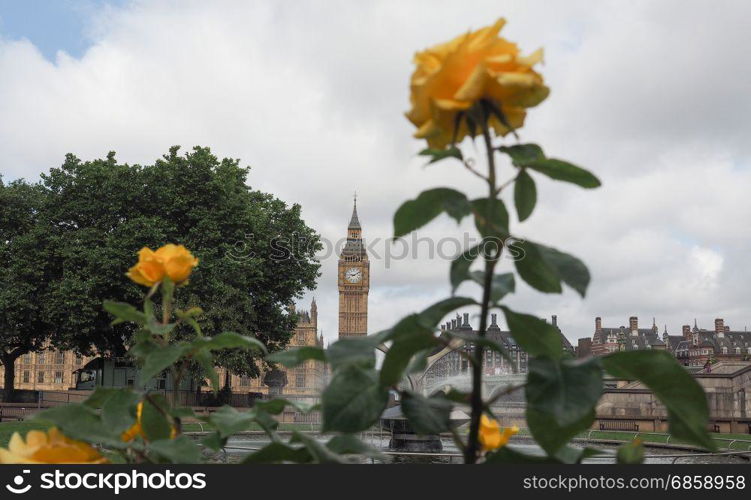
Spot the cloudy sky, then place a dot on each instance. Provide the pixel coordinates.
(651, 96)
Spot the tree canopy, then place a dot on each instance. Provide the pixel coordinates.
(256, 253)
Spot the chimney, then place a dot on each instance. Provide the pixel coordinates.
(633, 323)
(719, 327)
(453, 324)
(687, 332)
(494, 319)
(555, 320)
(466, 324)
(727, 328)
(598, 324)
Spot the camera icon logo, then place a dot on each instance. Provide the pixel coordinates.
(18, 482)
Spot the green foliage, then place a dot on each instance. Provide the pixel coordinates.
(561, 395)
(545, 268)
(491, 218)
(441, 154)
(427, 206)
(353, 400)
(26, 253)
(533, 334)
(530, 156)
(97, 214)
(500, 284)
(427, 415)
(688, 412)
(525, 195)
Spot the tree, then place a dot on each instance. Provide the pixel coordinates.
(256, 253)
(24, 275)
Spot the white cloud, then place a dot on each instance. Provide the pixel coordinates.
(649, 95)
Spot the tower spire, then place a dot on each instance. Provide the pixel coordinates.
(354, 221)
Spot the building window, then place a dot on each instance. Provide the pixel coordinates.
(27, 358)
(40, 358)
(300, 380)
(58, 377)
(59, 358)
(79, 359)
(244, 381)
(724, 350)
(40, 377)
(26, 376)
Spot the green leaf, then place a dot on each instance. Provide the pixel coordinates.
(631, 453)
(181, 450)
(512, 455)
(525, 195)
(491, 218)
(564, 171)
(409, 337)
(551, 436)
(229, 340)
(347, 444)
(567, 390)
(521, 154)
(296, 356)
(441, 154)
(278, 452)
(531, 156)
(427, 415)
(430, 317)
(353, 400)
(228, 420)
(353, 350)
(119, 410)
(535, 336)
(500, 286)
(460, 266)
(124, 312)
(160, 359)
(154, 420)
(214, 441)
(100, 396)
(544, 268)
(82, 422)
(428, 205)
(320, 453)
(688, 412)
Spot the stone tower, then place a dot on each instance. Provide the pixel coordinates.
(354, 281)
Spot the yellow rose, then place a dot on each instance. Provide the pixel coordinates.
(50, 447)
(453, 76)
(174, 261)
(492, 436)
(136, 429)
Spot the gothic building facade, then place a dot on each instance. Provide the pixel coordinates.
(612, 339)
(353, 278)
(696, 347)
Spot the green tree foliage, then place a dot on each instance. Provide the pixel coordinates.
(256, 253)
(24, 274)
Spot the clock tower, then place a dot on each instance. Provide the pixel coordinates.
(354, 282)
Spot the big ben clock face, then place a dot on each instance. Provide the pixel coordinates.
(353, 274)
